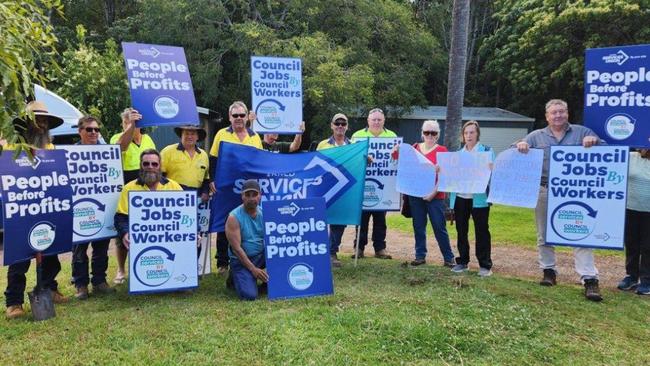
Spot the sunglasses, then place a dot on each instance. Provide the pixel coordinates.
(91, 129)
(150, 163)
(238, 115)
(339, 124)
(430, 133)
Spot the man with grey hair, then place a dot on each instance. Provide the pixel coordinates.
(236, 133)
(560, 132)
(376, 120)
(150, 179)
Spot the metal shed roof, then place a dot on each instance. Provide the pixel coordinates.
(469, 113)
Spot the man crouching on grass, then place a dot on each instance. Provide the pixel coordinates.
(245, 233)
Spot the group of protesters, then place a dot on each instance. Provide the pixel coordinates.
(186, 166)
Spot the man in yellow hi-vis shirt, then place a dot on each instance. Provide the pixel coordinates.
(150, 179)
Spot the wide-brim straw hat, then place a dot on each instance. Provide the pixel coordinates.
(39, 108)
(201, 131)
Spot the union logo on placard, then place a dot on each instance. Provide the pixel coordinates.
(620, 126)
(618, 58)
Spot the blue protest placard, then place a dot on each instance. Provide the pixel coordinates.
(587, 189)
(160, 84)
(96, 178)
(37, 200)
(276, 86)
(296, 246)
(617, 94)
(379, 193)
(335, 174)
(163, 240)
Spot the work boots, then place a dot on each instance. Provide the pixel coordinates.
(549, 278)
(592, 292)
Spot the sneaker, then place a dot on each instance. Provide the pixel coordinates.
(82, 293)
(549, 278)
(643, 289)
(484, 272)
(418, 262)
(58, 297)
(628, 283)
(14, 311)
(449, 264)
(459, 268)
(383, 255)
(592, 291)
(353, 256)
(103, 288)
(335, 261)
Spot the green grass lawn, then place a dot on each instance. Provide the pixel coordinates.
(508, 226)
(381, 313)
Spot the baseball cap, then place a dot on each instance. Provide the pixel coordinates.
(250, 185)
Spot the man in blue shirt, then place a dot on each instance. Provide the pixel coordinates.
(245, 233)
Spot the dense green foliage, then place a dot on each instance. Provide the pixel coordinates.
(27, 45)
(357, 54)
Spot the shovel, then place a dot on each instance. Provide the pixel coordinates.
(41, 298)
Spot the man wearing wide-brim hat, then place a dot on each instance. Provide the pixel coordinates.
(36, 133)
(186, 163)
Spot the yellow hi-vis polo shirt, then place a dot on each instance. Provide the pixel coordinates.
(187, 170)
(131, 157)
(228, 134)
(330, 143)
(165, 184)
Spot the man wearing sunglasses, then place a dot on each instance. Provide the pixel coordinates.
(375, 128)
(150, 179)
(245, 232)
(88, 127)
(339, 127)
(237, 133)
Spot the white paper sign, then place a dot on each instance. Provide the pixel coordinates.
(416, 175)
(96, 178)
(163, 237)
(516, 178)
(587, 189)
(464, 172)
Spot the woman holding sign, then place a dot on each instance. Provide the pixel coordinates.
(637, 225)
(475, 205)
(432, 205)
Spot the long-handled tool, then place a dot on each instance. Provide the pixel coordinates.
(41, 298)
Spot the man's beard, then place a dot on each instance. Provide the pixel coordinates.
(37, 138)
(150, 177)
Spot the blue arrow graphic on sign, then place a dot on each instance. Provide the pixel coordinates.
(282, 107)
(170, 256)
(590, 212)
(101, 206)
(381, 186)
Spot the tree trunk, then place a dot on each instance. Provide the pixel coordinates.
(109, 12)
(456, 79)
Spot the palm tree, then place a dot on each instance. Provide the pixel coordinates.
(456, 79)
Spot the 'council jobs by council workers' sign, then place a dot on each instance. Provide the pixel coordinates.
(276, 84)
(379, 192)
(297, 250)
(586, 196)
(617, 94)
(160, 84)
(163, 240)
(96, 179)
